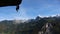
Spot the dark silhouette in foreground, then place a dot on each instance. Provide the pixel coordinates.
(4, 3)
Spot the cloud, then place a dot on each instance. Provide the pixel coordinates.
(42, 16)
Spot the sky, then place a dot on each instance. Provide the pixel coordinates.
(31, 9)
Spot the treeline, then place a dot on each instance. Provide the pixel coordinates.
(31, 26)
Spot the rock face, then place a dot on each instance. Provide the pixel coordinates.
(10, 3)
(33, 26)
(47, 29)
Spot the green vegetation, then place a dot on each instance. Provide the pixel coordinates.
(31, 26)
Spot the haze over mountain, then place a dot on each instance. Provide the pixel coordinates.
(31, 26)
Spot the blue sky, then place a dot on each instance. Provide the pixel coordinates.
(31, 9)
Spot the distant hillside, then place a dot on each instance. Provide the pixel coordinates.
(31, 26)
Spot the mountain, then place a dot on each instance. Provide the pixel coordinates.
(31, 26)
